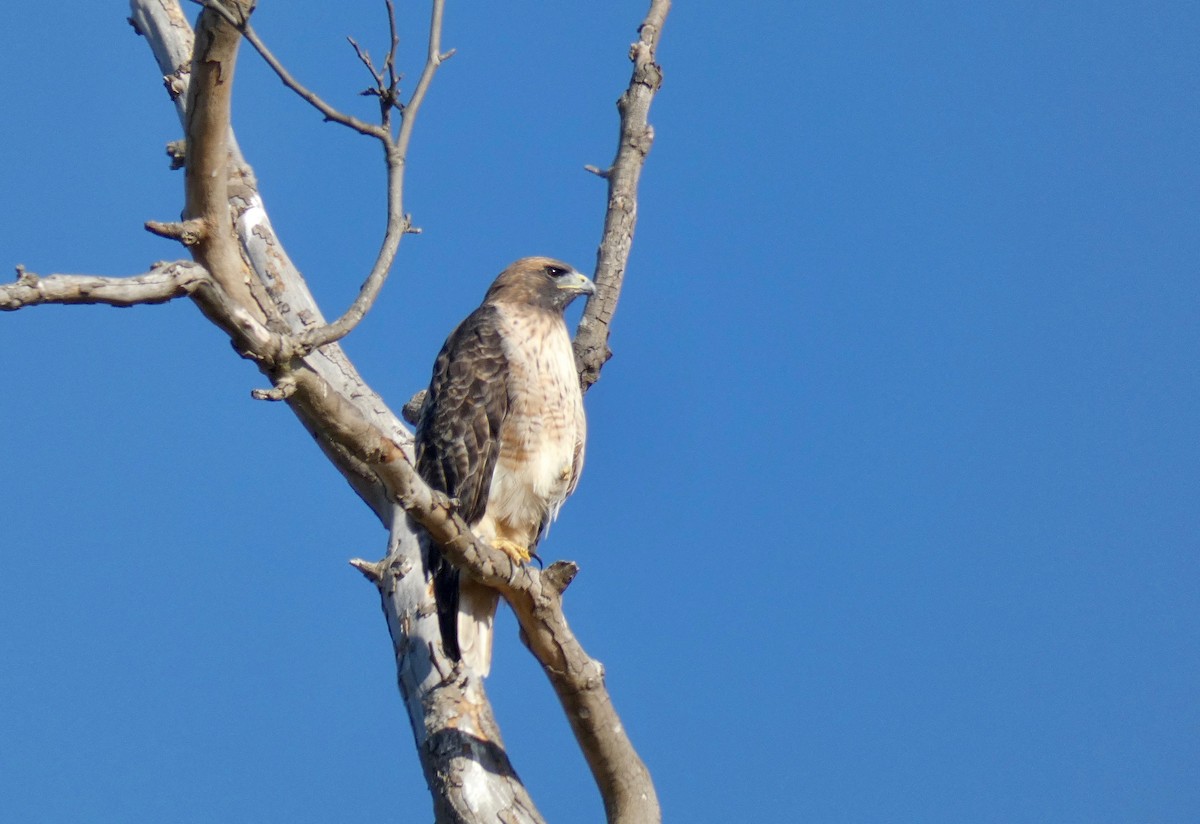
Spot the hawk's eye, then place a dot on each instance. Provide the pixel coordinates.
(555, 271)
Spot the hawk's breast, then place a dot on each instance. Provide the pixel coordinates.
(542, 437)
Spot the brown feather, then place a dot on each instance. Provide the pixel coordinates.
(502, 430)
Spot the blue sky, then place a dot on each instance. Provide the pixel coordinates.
(890, 505)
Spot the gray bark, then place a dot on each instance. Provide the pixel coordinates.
(243, 281)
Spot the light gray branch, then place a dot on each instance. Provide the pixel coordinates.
(398, 223)
(292, 305)
(167, 31)
(633, 144)
(536, 600)
(457, 737)
(395, 152)
(250, 289)
(241, 22)
(166, 281)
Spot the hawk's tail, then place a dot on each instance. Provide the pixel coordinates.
(476, 613)
(445, 596)
(465, 612)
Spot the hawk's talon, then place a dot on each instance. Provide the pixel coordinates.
(513, 550)
(501, 435)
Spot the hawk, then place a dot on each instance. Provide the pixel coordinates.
(502, 431)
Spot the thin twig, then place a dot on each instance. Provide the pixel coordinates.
(386, 89)
(187, 232)
(329, 112)
(283, 389)
(364, 57)
(398, 223)
(390, 62)
(433, 59)
(395, 150)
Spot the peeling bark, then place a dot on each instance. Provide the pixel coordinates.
(245, 283)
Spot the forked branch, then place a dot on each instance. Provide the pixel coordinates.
(395, 149)
(396, 152)
(241, 22)
(225, 219)
(387, 79)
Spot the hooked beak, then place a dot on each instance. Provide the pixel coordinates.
(577, 284)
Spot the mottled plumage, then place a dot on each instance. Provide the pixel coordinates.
(502, 430)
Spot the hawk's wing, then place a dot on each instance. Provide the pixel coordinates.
(458, 439)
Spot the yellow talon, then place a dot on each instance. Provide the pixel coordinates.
(513, 550)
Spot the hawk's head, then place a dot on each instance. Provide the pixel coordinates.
(539, 281)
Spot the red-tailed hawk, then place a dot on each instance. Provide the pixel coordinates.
(502, 430)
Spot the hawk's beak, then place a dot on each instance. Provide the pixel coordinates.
(577, 284)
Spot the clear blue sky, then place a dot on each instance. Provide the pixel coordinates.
(890, 511)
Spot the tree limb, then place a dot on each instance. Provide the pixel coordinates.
(612, 258)
(536, 600)
(457, 738)
(206, 168)
(164, 282)
(395, 150)
(242, 24)
(396, 153)
(256, 295)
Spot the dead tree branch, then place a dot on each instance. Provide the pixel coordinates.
(206, 168)
(396, 152)
(166, 281)
(244, 282)
(636, 137)
(457, 738)
(395, 149)
(331, 114)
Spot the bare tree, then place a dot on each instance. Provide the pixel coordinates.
(242, 280)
